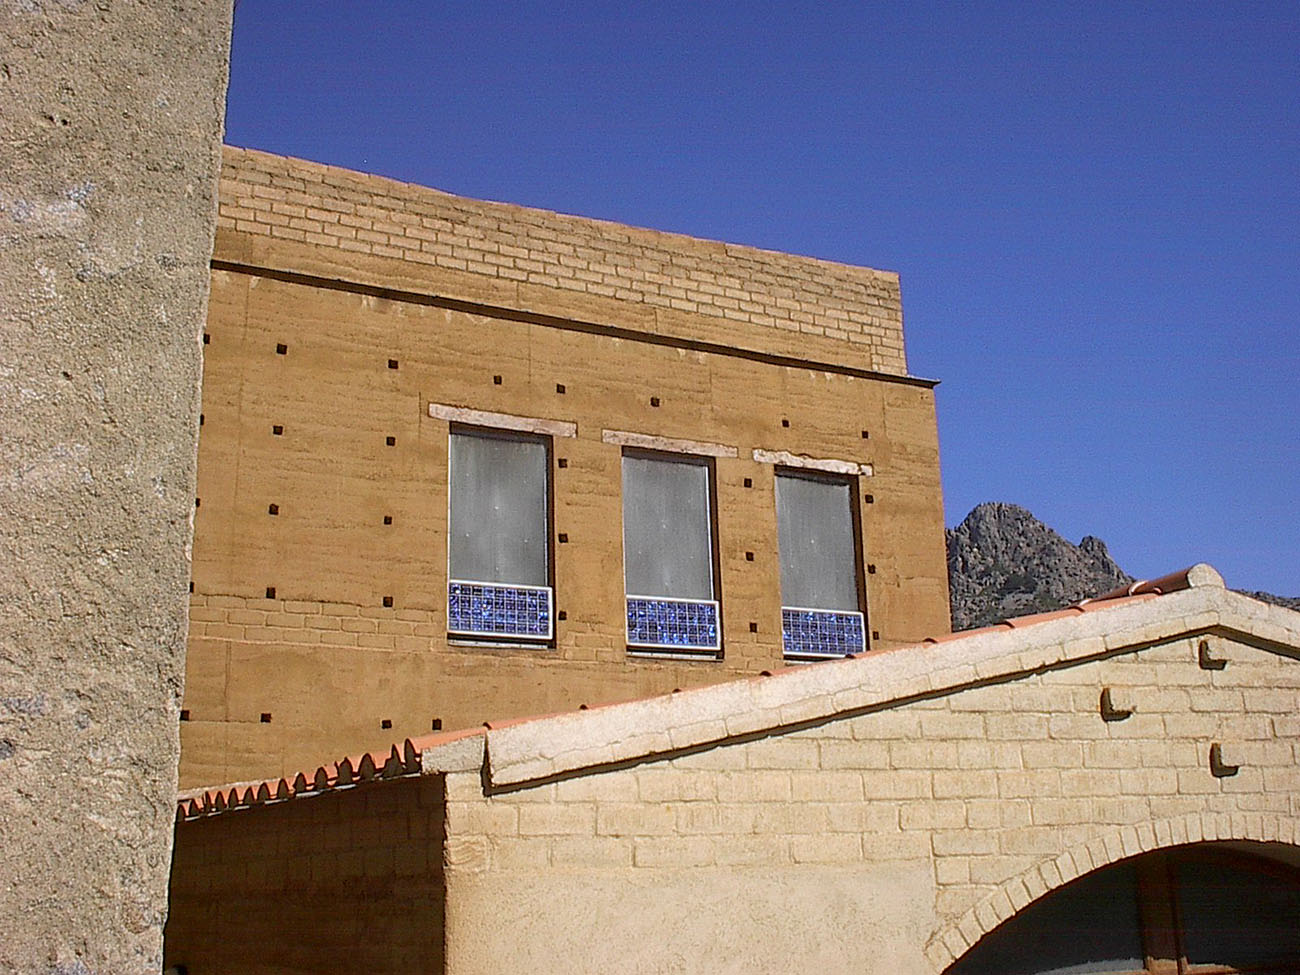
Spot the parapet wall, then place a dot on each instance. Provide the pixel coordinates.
(535, 259)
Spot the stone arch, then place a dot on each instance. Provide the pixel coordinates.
(1108, 846)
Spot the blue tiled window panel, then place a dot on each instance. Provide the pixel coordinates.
(660, 623)
(492, 609)
(821, 632)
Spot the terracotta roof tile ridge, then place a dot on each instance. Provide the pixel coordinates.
(347, 771)
(1195, 576)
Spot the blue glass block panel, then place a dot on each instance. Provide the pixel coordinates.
(672, 624)
(492, 609)
(821, 632)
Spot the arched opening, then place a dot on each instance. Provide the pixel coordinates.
(1194, 910)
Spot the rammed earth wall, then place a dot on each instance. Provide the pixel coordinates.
(350, 313)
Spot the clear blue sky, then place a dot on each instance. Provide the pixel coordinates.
(1095, 208)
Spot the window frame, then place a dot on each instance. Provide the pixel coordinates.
(547, 441)
(708, 462)
(859, 551)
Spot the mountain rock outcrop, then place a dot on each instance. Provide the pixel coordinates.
(1002, 562)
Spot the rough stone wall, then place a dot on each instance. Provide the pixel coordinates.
(324, 656)
(110, 134)
(519, 253)
(350, 882)
(901, 835)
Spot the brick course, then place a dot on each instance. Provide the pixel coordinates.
(291, 199)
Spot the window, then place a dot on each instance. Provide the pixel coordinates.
(668, 547)
(821, 592)
(498, 550)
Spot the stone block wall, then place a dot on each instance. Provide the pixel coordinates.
(902, 834)
(349, 882)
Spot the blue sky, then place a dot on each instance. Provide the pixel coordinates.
(1094, 208)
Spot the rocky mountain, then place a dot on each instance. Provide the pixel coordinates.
(1002, 562)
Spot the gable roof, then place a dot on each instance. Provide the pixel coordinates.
(519, 752)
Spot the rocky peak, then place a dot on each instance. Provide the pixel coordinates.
(1002, 562)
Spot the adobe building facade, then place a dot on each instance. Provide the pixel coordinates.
(388, 367)
(1111, 788)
